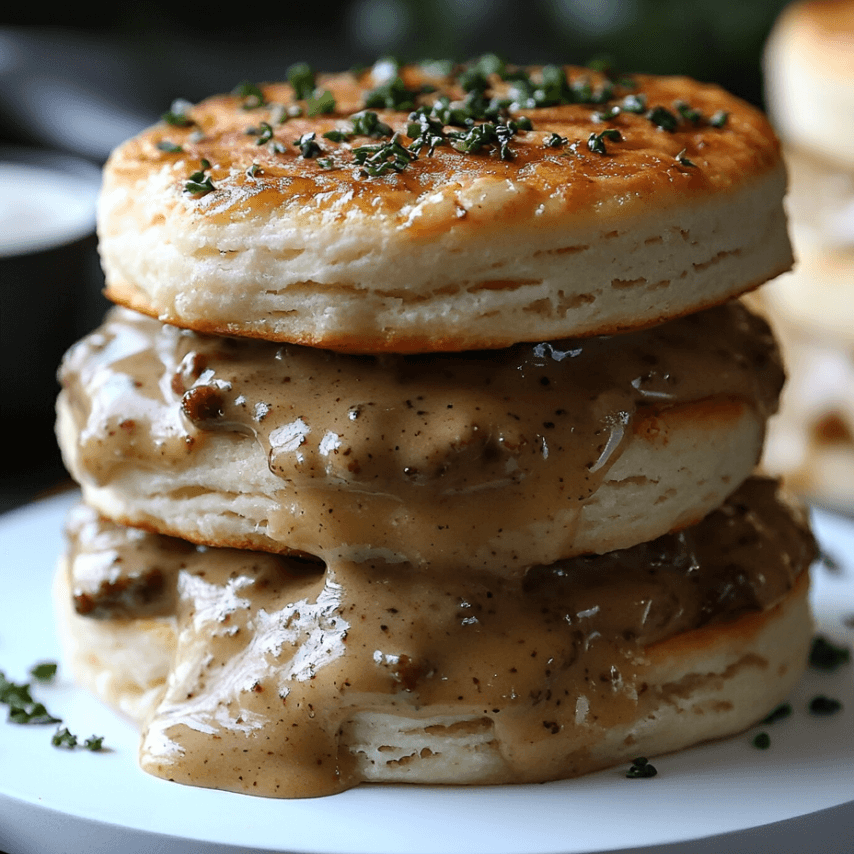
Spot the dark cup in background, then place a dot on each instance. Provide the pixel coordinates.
(50, 284)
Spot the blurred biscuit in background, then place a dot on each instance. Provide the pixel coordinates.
(809, 80)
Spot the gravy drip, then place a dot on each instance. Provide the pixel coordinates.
(450, 460)
(274, 655)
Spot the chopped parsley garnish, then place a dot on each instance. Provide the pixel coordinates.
(829, 562)
(426, 132)
(442, 110)
(606, 115)
(31, 713)
(640, 768)
(602, 64)
(473, 108)
(252, 95)
(782, 711)
(422, 122)
(585, 93)
(200, 184)
(177, 114)
(44, 671)
(687, 112)
(596, 141)
(280, 113)
(66, 739)
(378, 160)
(489, 63)
(437, 67)
(668, 120)
(14, 693)
(822, 705)
(476, 106)
(484, 123)
(555, 140)
(94, 743)
(473, 79)
(320, 103)
(264, 133)
(633, 104)
(308, 146)
(554, 88)
(367, 123)
(663, 118)
(301, 77)
(253, 170)
(825, 655)
(23, 709)
(63, 738)
(169, 147)
(762, 741)
(485, 135)
(392, 95)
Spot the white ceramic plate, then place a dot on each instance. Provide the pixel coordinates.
(796, 796)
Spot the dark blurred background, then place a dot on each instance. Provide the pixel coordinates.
(81, 78)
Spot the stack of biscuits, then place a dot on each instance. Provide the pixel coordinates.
(809, 76)
(419, 446)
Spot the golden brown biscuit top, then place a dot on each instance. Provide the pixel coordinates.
(624, 142)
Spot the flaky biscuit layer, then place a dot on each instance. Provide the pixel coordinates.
(458, 250)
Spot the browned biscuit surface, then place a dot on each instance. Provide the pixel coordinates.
(622, 205)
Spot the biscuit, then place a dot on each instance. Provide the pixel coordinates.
(810, 440)
(488, 460)
(817, 297)
(809, 82)
(820, 205)
(301, 681)
(809, 70)
(624, 206)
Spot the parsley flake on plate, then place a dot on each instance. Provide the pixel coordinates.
(762, 741)
(825, 655)
(822, 705)
(641, 768)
